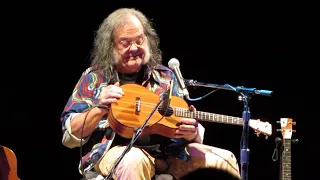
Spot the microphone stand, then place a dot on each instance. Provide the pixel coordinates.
(245, 96)
(244, 152)
(136, 135)
(164, 102)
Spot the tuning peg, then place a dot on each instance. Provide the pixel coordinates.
(294, 123)
(294, 130)
(279, 130)
(278, 121)
(257, 133)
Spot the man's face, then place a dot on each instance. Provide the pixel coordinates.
(131, 49)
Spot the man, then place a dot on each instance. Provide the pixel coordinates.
(126, 51)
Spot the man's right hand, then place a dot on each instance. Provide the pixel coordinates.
(110, 94)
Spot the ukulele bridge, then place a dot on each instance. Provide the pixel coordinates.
(138, 105)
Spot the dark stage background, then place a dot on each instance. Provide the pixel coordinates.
(47, 47)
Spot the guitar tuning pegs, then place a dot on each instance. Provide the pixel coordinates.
(294, 130)
(278, 121)
(279, 130)
(294, 123)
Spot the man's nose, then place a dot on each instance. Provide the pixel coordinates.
(133, 47)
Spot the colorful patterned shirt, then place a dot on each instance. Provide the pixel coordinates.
(86, 95)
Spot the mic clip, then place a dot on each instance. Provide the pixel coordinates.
(166, 100)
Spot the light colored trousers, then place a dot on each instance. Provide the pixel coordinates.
(139, 165)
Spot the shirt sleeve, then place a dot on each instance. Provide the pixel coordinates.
(68, 139)
(84, 96)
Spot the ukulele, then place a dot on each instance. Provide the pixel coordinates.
(136, 105)
(286, 130)
(8, 164)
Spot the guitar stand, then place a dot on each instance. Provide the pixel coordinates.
(293, 141)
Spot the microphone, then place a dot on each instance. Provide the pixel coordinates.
(174, 65)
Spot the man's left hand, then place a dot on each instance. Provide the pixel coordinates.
(187, 128)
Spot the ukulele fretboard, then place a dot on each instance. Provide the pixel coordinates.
(210, 117)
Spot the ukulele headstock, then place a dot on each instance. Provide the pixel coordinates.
(286, 127)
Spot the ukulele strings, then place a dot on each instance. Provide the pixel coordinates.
(171, 110)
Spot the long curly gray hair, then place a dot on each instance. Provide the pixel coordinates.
(103, 47)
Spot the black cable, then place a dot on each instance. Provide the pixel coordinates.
(81, 136)
(206, 95)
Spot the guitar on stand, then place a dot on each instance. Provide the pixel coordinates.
(286, 131)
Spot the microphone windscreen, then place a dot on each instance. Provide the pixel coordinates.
(173, 62)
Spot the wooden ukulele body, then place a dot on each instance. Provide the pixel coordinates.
(133, 109)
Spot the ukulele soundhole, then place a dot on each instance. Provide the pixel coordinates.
(165, 111)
